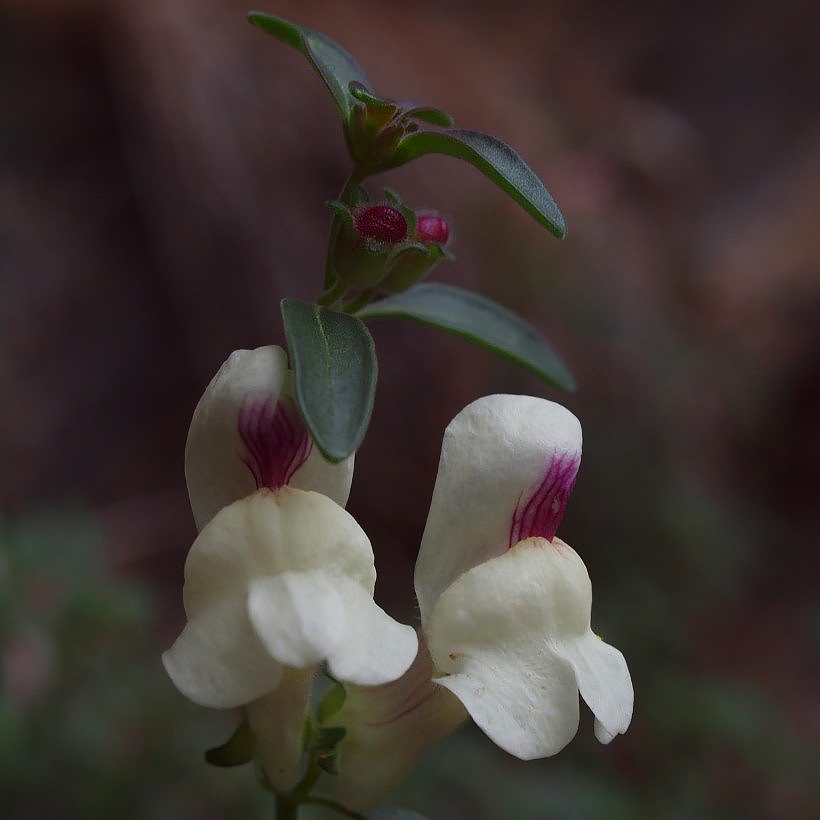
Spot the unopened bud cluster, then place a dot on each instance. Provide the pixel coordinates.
(387, 245)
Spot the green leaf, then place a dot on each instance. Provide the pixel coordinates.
(478, 319)
(238, 749)
(427, 113)
(334, 361)
(496, 160)
(390, 813)
(334, 65)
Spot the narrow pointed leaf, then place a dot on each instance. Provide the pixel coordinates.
(334, 65)
(496, 160)
(334, 361)
(479, 319)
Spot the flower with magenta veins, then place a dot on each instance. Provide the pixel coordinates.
(281, 577)
(505, 608)
(506, 605)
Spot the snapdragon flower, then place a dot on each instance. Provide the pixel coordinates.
(281, 577)
(505, 606)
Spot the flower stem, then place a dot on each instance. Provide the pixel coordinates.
(330, 804)
(287, 804)
(362, 300)
(286, 807)
(333, 294)
(302, 789)
(356, 176)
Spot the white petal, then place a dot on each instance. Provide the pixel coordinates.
(272, 532)
(278, 721)
(602, 735)
(496, 456)
(218, 660)
(376, 649)
(299, 617)
(305, 618)
(388, 728)
(604, 682)
(512, 637)
(235, 446)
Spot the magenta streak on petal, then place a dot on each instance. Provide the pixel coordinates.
(428, 693)
(276, 441)
(407, 693)
(540, 514)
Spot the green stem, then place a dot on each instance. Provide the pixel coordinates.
(363, 299)
(302, 789)
(287, 804)
(286, 808)
(333, 294)
(356, 177)
(320, 801)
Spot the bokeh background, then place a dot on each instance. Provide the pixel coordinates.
(163, 176)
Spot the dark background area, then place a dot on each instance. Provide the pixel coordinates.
(163, 174)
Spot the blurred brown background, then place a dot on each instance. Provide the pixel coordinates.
(162, 185)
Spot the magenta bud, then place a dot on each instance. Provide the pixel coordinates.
(383, 223)
(432, 228)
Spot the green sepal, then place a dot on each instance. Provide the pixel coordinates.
(332, 702)
(322, 737)
(335, 66)
(496, 160)
(412, 262)
(237, 750)
(426, 113)
(363, 94)
(334, 363)
(327, 762)
(480, 320)
(341, 210)
(322, 742)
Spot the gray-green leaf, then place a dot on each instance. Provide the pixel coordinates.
(479, 319)
(334, 65)
(496, 160)
(334, 361)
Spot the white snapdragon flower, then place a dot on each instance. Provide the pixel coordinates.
(281, 577)
(505, 607)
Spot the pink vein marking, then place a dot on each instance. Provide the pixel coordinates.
(419, 681)
(404, 712)
(276, 441)
(541, 514)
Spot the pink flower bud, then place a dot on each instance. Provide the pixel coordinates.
(383, 223)
(432, 228)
